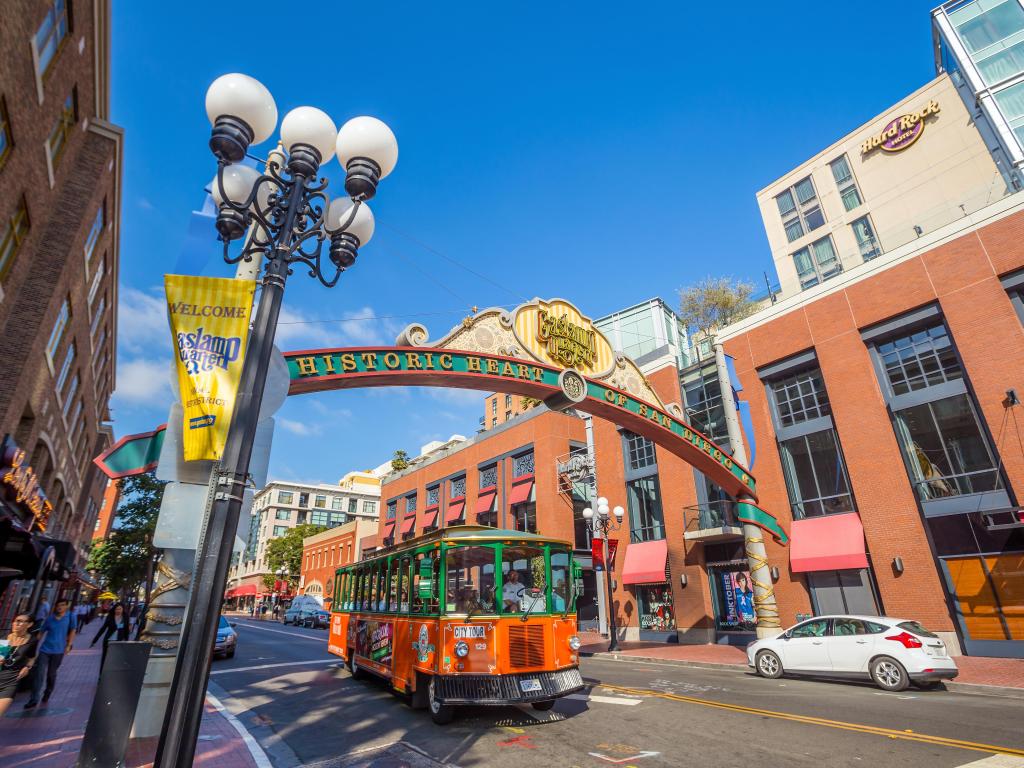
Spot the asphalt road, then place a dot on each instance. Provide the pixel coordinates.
(303, 707)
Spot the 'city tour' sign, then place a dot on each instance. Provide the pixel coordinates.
(19, 481)
(901, 132)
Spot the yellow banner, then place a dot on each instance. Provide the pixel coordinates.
(209, 319)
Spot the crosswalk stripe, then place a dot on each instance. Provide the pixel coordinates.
(603, 699)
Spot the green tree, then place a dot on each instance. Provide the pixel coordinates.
(400, 461)
(715, 302)
(124, 559)
(286, 552)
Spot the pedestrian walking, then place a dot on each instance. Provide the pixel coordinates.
(117, 626)
(17, 658)
(55, 638)
(277, 610)
(81, 616)
(263, 612)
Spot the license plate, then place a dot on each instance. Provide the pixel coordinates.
(527, 686)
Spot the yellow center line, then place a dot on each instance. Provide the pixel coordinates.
(824, 722)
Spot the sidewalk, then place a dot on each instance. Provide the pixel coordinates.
(51, 735)
(976, 672)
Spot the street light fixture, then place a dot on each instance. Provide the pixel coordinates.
(291, 219)
(601, 524)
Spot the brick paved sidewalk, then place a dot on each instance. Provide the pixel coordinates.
(51, 735)
(974, 670)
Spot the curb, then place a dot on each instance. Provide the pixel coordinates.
(975, 689)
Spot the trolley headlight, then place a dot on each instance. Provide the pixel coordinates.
(462, 649)
(574, 643)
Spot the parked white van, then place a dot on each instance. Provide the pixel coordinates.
(302, 606)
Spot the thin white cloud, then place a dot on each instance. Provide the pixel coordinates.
(142, 322)
(299, 428)
(352, 328)
(463, 397)
(143, 382)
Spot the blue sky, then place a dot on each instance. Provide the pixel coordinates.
(600, 152)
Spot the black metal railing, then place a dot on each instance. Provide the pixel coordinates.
(710, 515)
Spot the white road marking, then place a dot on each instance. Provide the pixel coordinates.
(258, 755)
(282, 664)
(619, 761)
(321, 640)
(603, 699)
(880, 693)
(996, 761)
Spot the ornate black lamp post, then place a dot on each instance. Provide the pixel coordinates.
(602, 524)
(289, 219)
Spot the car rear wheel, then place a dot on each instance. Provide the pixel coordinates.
(768, 664)
(889, 674)
(441, 714)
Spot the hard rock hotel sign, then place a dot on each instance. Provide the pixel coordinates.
(543, 349)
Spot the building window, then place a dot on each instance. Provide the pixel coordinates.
(336, 519)
(646, 521)
(392, 510)
(283, 514)
(61, 132)
(801, 397)
(14, 233)
(494, 407)
(353, 506)
(640, 452)
(845, 182)
(919, 360)
(410, 504)
(284, 497)
(320, 502)
(817, 262)
(494, 421)
(800, 210)
(51, 34)
(94, 287)
(508, 401)
(522, 465)
(434, 496)
(457, 488)
(337, 502)
(654, 604)
(97, 314)
(489, 476)
(59, 326)
(369, 507)
(304, 500)
(866, 240)
(508, 415)
(945, 447)
(524, 517)
(280, 530)
(94, 233)
(847, 591)
(6, 139)
(65, 367)
(317, 517)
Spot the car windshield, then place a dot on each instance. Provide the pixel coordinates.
(915, 628)
(223, 624)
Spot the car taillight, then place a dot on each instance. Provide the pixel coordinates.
(908, 640)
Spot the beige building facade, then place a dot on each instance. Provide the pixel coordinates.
(912, 170)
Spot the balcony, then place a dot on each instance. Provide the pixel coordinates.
(711, 522)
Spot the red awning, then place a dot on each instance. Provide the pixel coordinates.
(645, 562)
(389, 530)
(485, 500)
(229, 594)
(429, 517)
(246, 590)
(521, 491)
(408, 524)
(454, 510)
(829, 543)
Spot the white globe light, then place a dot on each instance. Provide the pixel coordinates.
(370, 138)
(340, 211)
(246, 98)
(238, 181)
(618, 512)
(602, 501)
(588, 513)
(309, 125)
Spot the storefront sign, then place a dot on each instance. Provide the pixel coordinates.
(21, 485)
(901, 132)
(209, 319)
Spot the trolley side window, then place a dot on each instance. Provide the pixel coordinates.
(425, 582)
(393, 571)
(561, 581)
(403, 583)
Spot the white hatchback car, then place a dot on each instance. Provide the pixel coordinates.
(892, 652)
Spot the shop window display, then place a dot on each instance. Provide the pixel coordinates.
(654, 603)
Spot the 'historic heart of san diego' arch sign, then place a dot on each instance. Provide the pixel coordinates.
(543, 349)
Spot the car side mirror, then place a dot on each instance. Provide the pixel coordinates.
(786, 636)
(232, 624)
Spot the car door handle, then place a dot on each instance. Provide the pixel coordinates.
(816, 642)
(862, 642)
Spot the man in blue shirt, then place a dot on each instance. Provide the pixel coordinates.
(55, 638)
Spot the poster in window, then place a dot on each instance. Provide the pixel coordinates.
(373, 642)
(656, 613)
(737, 601)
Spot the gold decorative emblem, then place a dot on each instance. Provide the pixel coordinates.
(175, 580)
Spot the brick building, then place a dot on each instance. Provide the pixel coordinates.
(60, 198)
(325, 552)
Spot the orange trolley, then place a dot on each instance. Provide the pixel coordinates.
(467, 615)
